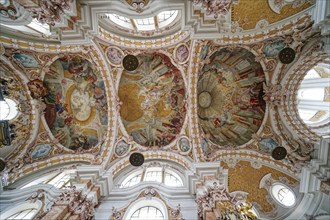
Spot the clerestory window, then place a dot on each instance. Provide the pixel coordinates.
(153, 174)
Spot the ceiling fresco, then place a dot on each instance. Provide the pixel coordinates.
(76, 111)
(153, 100)
(197, 99)
(230, 104)
(247, 14)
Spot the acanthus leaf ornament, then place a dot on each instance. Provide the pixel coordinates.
(273, 94)
(216, 7)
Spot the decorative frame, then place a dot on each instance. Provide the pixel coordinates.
(178, 144)
(176, 50)
(119, 50)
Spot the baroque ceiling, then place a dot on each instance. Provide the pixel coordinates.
(208, 88)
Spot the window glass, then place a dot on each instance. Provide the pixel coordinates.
(165, 15)
(316, 94)
(153, 174)
(145, 24)
(172, 180)
(120, 20)
(283, 195)
(132, 181)
(8, 109)
(312, 74)
(313, 96)
(24, 214)
(147, 212)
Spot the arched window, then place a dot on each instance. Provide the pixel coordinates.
(283, 195)
(59, 180)
(147, 212)
(313, 96)
(160, 21)
(153, 174)
(23, 210)
(131, 181)
(24, 214)
(147, 208)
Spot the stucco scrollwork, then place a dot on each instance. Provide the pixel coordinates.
(216, 7)
(273, 94)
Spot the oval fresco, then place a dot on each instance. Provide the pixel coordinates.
(122, 148)
(184, 145)
(76, 111)
(273, 49)
(182, 53)
(153, 108)
(267, 144)
(40, 151)
(229, 106)
(115, 55)
(27, 60)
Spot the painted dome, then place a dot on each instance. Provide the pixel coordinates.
(230, 105)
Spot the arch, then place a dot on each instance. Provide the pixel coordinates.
(313, 96)
(8, 109)
(283, 195)
(145, 202)
(159, 173)
(155, 24)
(33, 209)
(57, 179)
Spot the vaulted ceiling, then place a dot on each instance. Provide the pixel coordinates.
(208, 87)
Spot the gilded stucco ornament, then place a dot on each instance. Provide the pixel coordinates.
(277, 5)
(213, 199)
(138, 5)
(11, 11)
(50, 11)
(216, 7)
(273, 94)
(77, 203)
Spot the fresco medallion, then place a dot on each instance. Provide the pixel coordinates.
(40, 151)
(229, 103)
(274, 48)
(267, 144)
(114, 55)
(184, 145)
(122, 148)
(153, 95)
(76, 111)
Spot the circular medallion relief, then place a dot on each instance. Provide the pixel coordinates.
(114, 56)
(287, 55)
(136, 159)
(279, 153)
(130, 62)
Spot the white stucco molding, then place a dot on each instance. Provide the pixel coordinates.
(318, 170)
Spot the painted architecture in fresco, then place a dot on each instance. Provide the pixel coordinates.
(153, 99)
(76, 111)
(230, 101)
